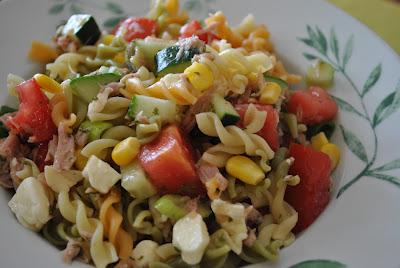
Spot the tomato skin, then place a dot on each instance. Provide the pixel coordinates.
(270, 130)
(194, 28)
(169, 163)
(34, 114)
(135, 28)
(310, 197)
(312, 106)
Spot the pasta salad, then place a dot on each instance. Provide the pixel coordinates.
(167, 142)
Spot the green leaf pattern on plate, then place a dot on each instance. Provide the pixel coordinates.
(115, 8)
(395, 164)
(389, 105)
(344, 105)
(348, 50)
(372, 79)
(334, 45)
(56, 9)
(354, 144)
(319, 264)
(112, 22)
(384, 177)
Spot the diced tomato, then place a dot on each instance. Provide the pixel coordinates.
(135, 27)
(310, 197)
(312, 106)
(34, 114)
(194, 28)
(169, 163)
(270, 130)
(39, 155)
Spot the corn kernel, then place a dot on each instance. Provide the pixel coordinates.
(319, 140)
(125, 151)
(42, 52)
(270, 93)
(244, 169)
(107, 39)
(80, 160)
(48, 84)
(200, 76)
(333, 152)
(119, 58)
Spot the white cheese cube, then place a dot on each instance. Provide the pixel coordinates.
(190, 235)
(100, 174)
(30, 204)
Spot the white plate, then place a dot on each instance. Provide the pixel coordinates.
(361, 227)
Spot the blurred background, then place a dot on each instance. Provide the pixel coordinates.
(381, 16)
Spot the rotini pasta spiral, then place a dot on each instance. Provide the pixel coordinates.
(254, 119)
(65, 66)
(231, 217)
(28, 169)
(60, 112)
(104, 108)
(173, 87)
(96, 147)
(119, 133)
(76, 212)
(102, 253)
(112, 220)
(142, 220)
(233, 141)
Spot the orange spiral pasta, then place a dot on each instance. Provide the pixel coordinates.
(59, 111)
(111, 220)
(218, 22)
(258, 39)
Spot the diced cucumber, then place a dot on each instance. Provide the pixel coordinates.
(135, 181)
(169, 61)
(87, 87)
(224, 110)
(171, 206)
(150, 106)
(95, 129)
(320, 74)
(82, 27)
(283, 84)
(327, 127)
(144, 51)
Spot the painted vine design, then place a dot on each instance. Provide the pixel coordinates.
(77, 6)
(329, 51)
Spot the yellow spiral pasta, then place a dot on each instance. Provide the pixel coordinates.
(119, 133)
(60, 112)
(29, 168)
(144, 221)
(65, 65)
(104, 108)
(173, 87)
(254, 119)
(232, 68)
(76, 212)
(97, 147)
(233, 141)
(112, 221)
(102, 253)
